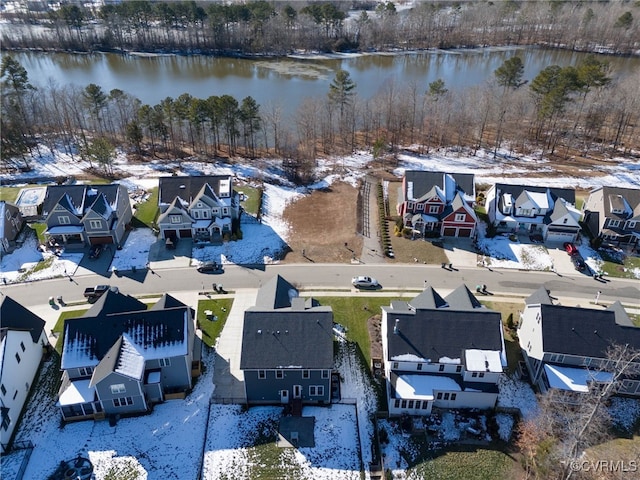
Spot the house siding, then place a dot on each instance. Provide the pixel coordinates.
(176, 375)
(133, 390)
(267, 390)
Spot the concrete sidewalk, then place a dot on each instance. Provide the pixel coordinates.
(227, 376)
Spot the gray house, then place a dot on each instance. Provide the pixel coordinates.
(613, 215)
(86, 214)
(441, 352)
(11, 224)
(120, 358)
(287, 348)
(201, 207)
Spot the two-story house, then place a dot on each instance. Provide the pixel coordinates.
(200, 207)
(437, 203)
(119, 358)
(287, 348)
(533, 210)
(22, 342)
(11, 224)
(87, 214)
(565, 348)
(445, 352)
(613, 215)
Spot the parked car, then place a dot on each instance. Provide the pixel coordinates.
(210, 267)
(94, 293)
(95, 251)
(570, 248)
(364, 282)
(578, 262)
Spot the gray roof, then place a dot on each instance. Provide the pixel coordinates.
(14, 316)
(287, 339)
(429, 298)
(462, 299)
(540, 296)
(568, 194)
(584, 332)
(276, 293)
(424, 181)
(437, 333)
(167, 301)
(187, 188)
(108, 363)
(114, 302)
(621, 315)
(81, 197)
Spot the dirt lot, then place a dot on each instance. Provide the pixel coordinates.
(321, 223)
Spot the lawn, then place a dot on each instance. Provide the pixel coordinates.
(252, 201)
(9, 194)
(211, 329)
(147, 212)
(627, 269)
(59, 326)
(511, 342)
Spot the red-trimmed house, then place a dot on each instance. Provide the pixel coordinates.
(437, 203)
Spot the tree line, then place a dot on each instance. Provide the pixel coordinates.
(278, 27)
(565, 112)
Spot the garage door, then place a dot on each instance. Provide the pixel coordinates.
(185, 233)
(449, 232)
(100, 240)
(464, 232)
(560, 237)
(170, 234)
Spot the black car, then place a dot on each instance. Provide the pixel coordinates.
(95, 251)
(578, 262)
(210, 267)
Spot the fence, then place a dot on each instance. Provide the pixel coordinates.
(28, 447)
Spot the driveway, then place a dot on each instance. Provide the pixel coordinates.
(162, 257)
(460, 252)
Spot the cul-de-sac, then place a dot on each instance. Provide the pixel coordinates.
(319, 240)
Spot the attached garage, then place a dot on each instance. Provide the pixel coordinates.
(457, 232)
(560, 237)
(170, 234)
(101, 240)
(464, 232)
(449, 232)
(185, 233)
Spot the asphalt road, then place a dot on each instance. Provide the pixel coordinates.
(393, 278)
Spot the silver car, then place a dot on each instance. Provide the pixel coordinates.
(364, 282)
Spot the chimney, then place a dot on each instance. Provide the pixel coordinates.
(395, 327)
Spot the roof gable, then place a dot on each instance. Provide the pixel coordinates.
(419, 183)
(112, 301)
(428, 299)
(14, 316)
(462, 299)
(188, 187)
(276, 293)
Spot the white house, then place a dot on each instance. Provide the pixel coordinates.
(441, 352)
(565, 348)
(22, 343)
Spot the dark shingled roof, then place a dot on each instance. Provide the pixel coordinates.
(14, 316)
(569, 194)
(114, 302)
(622, 317)
(289, 339)
(583, 332)
(167, 301)
(276, 293)
(81, 196)
(429, 298)
(424, 181)
(108, 363)
(186, 188)
(462, 299)
(437, 333)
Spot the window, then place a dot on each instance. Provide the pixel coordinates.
(175, 218)
(164, 362)
(117, 388)
(225, 211)
(305, 373)
(441, 368)
(205, 214)
(395, 365)
(15, 394)
(433, 208)
(410, 205)
(481, 375)
(85, 371)
(460, 217)
(26, 386)
(122, 402)
(262, 374)
(453, 396)
(439, 396)
(64, 220)
(316, 391)
(410, 403)
(279, 374)
(18, 358)
(425, 405)
(420, 207)
(396, 403)
(419, 366)
(458, 368)
(474, 374)
(614, 223)
(631, 224)
(325, 374)
(95, 224)
(446, 396)
(3, 389)
(22, 346)
(196, 214)
(199, 205)
(6, 421)
(404, 404)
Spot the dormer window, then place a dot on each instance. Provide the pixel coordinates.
(433, 209)
(175, 218)
(631, 225)
(64, 220)
(614, 223)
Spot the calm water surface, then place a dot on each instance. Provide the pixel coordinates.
(287, 82)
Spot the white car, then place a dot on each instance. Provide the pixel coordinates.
(364, 282)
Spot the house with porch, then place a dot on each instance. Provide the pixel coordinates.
(549, 213)
(11, 224)
(445, 352)
(287, 348)
(612, 214)
(22, 344)
(565, 348)
(437, 203)
(80, 215)
(120, 358)
(200, 207)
